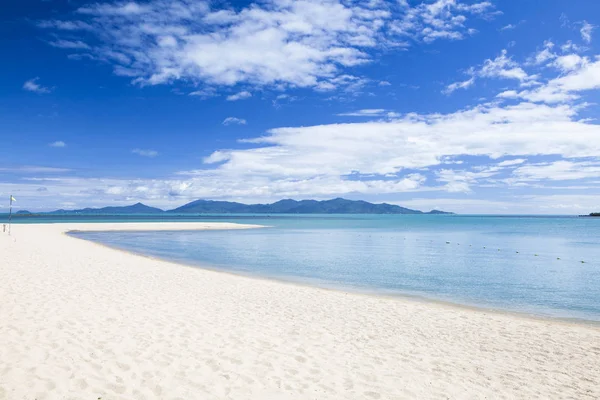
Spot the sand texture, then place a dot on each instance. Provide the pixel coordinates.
(79, 321)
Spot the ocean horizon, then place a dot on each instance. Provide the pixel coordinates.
(539, 265)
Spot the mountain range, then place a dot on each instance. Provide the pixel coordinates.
(288, 206)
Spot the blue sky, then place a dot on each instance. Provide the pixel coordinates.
(467, 106)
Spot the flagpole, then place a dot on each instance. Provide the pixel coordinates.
(10, 214)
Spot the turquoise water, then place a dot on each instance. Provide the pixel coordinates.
(524, 264)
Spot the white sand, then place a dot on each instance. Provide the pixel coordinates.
(80, 321)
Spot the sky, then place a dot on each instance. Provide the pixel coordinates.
(466, 106)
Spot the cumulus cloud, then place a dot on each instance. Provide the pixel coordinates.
(570, 62)
(145, 153)
(239, 96)
(234, 120)
(308, 43)
(58, 143)
(32, 85)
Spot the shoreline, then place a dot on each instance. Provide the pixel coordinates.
(81, 320)
(341, 289)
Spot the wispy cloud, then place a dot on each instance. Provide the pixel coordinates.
(145, 152)
(239, 96)
(58, 143)
(509, 163)
(32, 169)
(501, 67)
(69, 44)
(459, 85)
(370, 112)
(586, 31)
(234, 120)
(32, 85)
(510, 27)
(65, 25)
(204, 93)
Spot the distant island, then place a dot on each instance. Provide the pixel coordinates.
(137, 208)
(23, 212)
(595, 214)
(288, 206)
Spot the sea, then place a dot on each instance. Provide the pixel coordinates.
(546, 266)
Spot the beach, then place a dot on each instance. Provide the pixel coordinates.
(82, 321)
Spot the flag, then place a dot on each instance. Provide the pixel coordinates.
(12, 198)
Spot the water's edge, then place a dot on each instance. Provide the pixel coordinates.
(396, 295)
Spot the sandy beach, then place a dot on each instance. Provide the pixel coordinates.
(82, 321)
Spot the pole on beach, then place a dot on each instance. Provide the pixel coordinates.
(10, 213)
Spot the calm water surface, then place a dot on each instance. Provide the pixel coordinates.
(526, 264)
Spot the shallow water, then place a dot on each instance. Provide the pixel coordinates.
(525, 264)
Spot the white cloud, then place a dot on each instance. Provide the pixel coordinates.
(569, 46)
(234, 120)
(371, 113)
(509, 163)
(558, 171)
(69, 44)
(508, 94)
(459, 85)
(570, 62)
(145, 153)
(508, 27)
(204, 93)
(543, 55)
(239, 96)
(307, 43)
(119, 9)
(440, 19)
(583, 76)
(308, 154)
(367, 112)
(586, 31)
(34, 169)
(32, 85)
(65, 25)
(461, 181)
(525, 205)
(58, 143)
(503, 67)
